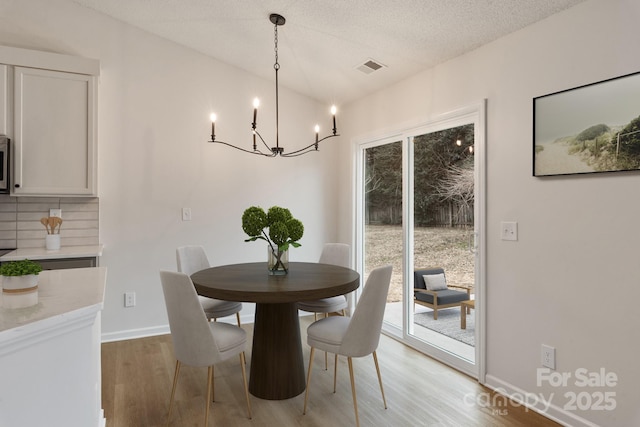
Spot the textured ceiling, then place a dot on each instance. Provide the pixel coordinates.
(324, 41)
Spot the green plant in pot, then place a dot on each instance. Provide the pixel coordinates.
(20, 274)
(278, 228)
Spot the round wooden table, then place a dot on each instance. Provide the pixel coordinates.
(277, 367)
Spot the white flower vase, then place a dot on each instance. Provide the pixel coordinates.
(19, 291)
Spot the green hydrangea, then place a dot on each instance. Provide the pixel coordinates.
(278, 214)
(278, 233)
(254, 220)
(283, 229)
(296, 229)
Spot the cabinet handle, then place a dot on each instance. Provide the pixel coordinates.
(17, 185)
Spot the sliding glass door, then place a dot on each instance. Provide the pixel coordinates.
(420, 210)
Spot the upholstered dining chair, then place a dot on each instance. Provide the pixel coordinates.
(193, 258)
(196, 341)
(356, 336)
(335, 254)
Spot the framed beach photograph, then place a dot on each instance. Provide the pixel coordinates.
(588, 129)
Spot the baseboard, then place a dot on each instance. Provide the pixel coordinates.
(553, 412)
(130, 334)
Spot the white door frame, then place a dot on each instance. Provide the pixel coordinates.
(476, 114)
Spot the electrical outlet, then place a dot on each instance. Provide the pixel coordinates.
(548, 356)
(129, 299)
(186, 214)
(55, 212)
(509, 230)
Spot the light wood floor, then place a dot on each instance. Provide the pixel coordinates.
(137, 377)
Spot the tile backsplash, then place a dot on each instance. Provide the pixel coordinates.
(20, 225)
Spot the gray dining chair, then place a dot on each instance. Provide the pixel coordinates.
(196, 341)
(193, 258)
(356, 336)
(335, 254)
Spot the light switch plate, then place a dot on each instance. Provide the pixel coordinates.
(186, 214)
(509, 230)
(55, 212)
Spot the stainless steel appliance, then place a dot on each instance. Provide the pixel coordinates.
(4, 164)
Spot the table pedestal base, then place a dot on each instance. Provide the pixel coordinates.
(277, 367)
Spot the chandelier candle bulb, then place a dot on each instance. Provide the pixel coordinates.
(333, 112)
(213, 126)
(317, 129)
(256, 104)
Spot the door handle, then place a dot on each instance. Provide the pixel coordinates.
(472, 242)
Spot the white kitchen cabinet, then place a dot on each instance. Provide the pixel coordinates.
(55, 152)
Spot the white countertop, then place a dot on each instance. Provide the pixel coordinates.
(62, 295)
(63, 252)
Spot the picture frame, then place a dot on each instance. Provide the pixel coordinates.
(588, 129)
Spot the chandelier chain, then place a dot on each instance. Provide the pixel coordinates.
(275, 44)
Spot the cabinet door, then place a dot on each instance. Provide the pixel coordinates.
(55, 143)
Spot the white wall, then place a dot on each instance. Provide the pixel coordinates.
(572, 279)
(155, 98)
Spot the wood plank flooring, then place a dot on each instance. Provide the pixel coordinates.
(137, 377)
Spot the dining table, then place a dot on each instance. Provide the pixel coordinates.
(277, 367)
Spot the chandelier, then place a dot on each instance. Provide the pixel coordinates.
(278, 150)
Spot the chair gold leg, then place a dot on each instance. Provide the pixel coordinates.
(243, 362)
(335, 372)
(238, 318)
(353, 390)
(326, 364)
(375, 359)
(306, 393)
(208, 399)
(173, 390)
(213, 383)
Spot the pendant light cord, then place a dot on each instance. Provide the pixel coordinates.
(276, 66)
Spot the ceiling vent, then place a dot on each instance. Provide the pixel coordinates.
(369, 66)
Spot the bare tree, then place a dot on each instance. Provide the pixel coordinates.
(457, 185)
(372, 183)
